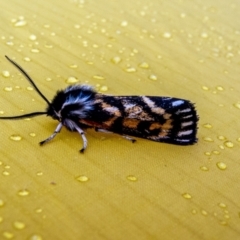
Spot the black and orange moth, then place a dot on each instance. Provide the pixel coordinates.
(78, 107)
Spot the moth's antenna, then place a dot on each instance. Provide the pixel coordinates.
(33, 114)
(28, 78)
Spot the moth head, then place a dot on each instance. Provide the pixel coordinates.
(53, 109)
(75, 102)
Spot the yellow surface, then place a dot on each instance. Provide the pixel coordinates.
(120, 190)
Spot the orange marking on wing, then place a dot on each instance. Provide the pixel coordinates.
(167, 115)
(109, 122)
(130, 123)
(166, 126)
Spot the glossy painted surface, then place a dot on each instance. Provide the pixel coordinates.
(120, 190)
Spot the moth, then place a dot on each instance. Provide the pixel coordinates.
(78, 107)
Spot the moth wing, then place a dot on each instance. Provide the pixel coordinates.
(161, 119)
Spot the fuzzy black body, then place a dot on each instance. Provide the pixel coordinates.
(162, 119)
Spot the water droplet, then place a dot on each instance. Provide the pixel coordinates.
(32, 134)
(19, 225)
(221, 165)
(35, 50)
(85, 43)
(208, 139)
(13, 20)
(8, 235)
(130, 69)
(207, 153)
(116, 59)
(203, 168)
(30, 88)
(183, 15)
(237, 105)
(153, 77)
(98, 77)
(204, 212)
(238, 139)
(27, 59)
(39, 210)
(48, 45)
(71, 80)
(229, 144)
(221, 138)
(6, 73)
(39, 173)
(15, 137)
(221, 147)
(6, 173)
(103, 88)
(48, 79)
(20, 23)
(187, 195)
(8, 89)
(222, 205)
(1, 112)
(216, 152)
(23, 193)
(46, 26)
(132, 178)
(167, 35)
(219, 88)
(207, 125)
(32, 37)
(77, 26)
(35, 237)
(194, 211)
(82, 178)
(95, 46)
(204, 35)
(124, 23)
(73, 66)
(1, 219)
(9, 43)
(2, 203)
(205, 88)
(144, 65)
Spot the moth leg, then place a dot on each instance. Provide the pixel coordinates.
(102, 130)
(129, 138)
(57, 130)
(106, 131)
(81, 132)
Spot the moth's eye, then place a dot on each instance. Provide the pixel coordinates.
(55, 116)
